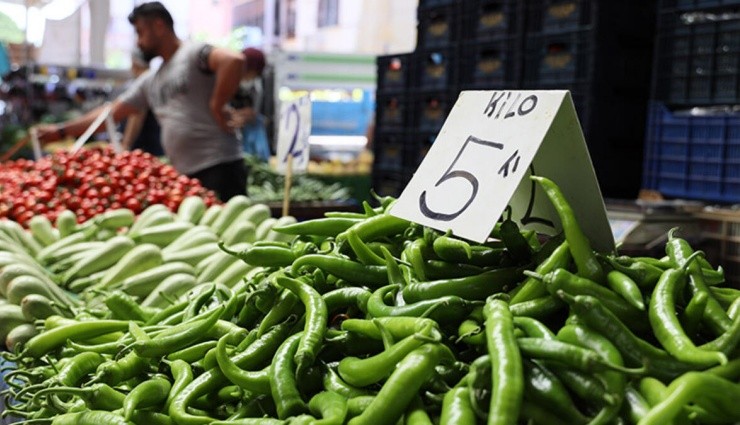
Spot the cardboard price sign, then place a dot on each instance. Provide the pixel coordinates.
(293, 133)
(480, 164)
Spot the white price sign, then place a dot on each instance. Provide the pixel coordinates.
(295, 128)
(490, 144)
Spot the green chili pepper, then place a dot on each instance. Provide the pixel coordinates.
(364, 372)
(348, 270)
(178, 336)
(543, 387)
(414, 254)
(347, 297)
(287, 304)
(113, 372)
(149, 393)
(637, 406)
(257, 355)
(125, 307)
(623, 285)
(562, 279)
(471, 332)
(444, 309)
(183, 376)
(581, 359)
(585, 386)
(539, 414)
(316, 321)
(438, 269)
(358, 404)
(516, 244)
(533, 288)
(635, 350)
(667, 327)
(697, 387)
(363, 253)
(506, 363)
(613, 381)
(456, 408)
(452, 249)
(96, 397)
(283, 385)
(78, 367)
(329, 227)
(470, 288)
(538, 308)
(90, 417)
(330, 407)
(644, 274)
(254, 382)
(192, 353)
(168, 312)
(725, 296)
(580, 247)
(694, 312)
(333, 382)
(54, 338)
(403, 385)
(533, 328)
(679, 252)
(727, 342)
(376, 227)
(399, 327)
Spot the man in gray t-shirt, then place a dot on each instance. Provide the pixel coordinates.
(188, 94)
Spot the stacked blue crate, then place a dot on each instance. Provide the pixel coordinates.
(692, 145)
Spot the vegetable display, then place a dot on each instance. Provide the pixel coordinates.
(91, 182)
(265, 185)
(364, 318)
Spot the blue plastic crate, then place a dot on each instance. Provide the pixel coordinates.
(694, 157)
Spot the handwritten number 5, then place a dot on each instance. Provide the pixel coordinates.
(451, 174)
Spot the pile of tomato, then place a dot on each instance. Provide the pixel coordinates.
(92, 181)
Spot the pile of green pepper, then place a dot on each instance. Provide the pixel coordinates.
(368, 319)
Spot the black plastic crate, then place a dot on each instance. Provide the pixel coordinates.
(696, 4)
(433, 3)
(435, 69)
(393, 111)
(491, 18)
(438, 26)
(389, 183)
(394, 72)
(389, 149)
(697, 58)
(559, 15)
(431, 109)
(559, 58)
(416, 148)
(491, 63)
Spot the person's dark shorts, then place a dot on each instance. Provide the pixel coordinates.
(227, 179)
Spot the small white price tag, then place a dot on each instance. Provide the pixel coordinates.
(490, 144)
(295, 128)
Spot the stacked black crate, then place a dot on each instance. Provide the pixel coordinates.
(692, 147)
(414, 95)
(600, 51)
(393, 114)
(435, 86)
(491, 47)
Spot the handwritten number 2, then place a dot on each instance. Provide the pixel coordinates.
(451, 174)
(293, 110)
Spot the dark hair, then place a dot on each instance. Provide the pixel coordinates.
(254, 60)
(152, 10)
